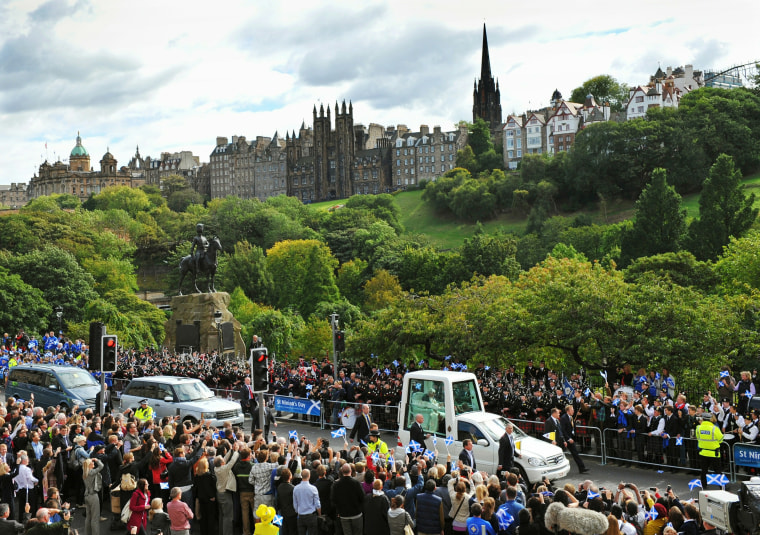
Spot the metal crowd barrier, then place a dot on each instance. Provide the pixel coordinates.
(654, 452)
(590, 440)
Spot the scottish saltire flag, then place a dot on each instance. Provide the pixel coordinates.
(309, 387)
(717, 479)
(652, 514)
(293, 434)
(591, 495)
(414, 445)
(694, 483)
(341, 432)
(488, 368)
(679, 441)
(421, 363)
(375, 457)
(395, 363)
(724, 374)
(448, 357)
(277, 520)
(435, 440)
(449, 440)
(504, 518)
(587, 391)
(670, 382)
(387, 371)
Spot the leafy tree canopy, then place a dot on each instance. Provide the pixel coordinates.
(604, 88)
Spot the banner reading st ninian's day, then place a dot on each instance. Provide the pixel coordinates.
(297, 405)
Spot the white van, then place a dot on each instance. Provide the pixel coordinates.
(452, 406)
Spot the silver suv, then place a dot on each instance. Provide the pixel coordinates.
(184, 396)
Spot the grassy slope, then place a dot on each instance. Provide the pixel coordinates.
(445, 232)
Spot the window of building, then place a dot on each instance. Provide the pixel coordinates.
(639, 99)
(510, 154)
(519, 153)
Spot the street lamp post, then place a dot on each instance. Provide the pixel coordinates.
(218, 321)
(59, 315)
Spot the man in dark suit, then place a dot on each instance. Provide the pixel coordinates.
(551, 425)
(507, 451)
(466, 455)
(8, 526)
(567, 425)
(361, 426)
(248, 402)
(416, 432)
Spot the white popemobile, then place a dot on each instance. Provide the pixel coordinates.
(452, 407)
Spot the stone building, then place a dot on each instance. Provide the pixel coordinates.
(182, 163)
(13, 196)
(81, 180)
(423, 155)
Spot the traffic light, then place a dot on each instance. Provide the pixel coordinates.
(109, 352)
(260, 369)
(96, 335)
(340, 341)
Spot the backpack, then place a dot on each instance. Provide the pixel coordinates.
(632, 521)
(74, 461)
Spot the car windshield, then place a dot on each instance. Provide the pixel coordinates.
(76, 379)
(193, 391)
(495, 429)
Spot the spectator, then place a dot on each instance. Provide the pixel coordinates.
(430, 519)
(179, 513)
(139, 504)
(376, 506)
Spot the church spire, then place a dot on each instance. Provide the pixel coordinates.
(485, 62)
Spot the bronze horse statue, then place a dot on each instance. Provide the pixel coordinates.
(206, 264)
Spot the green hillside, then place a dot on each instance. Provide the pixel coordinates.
(445, 232)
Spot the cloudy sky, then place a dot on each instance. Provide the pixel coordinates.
(172, 75)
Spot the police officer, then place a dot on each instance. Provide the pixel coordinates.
(710, 437)
(375, 444)
(144, 413)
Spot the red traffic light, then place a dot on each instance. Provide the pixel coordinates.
(110, 342)
(262, 357)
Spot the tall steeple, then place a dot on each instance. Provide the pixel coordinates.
(485, 62)
(486, 95)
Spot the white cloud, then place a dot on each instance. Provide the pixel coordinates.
(173, 75)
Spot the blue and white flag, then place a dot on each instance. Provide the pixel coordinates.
(679, 441)
(487, 368)
(293, 434)
(414, 445)
(568, 388)
(694, 483)
(421, 363)
(724, 374)
(309, 387)
(591, 495)
(449, 440)
(587, 391)
(652, 514)
(504, 518)
(717, 479)
(340, 432)
(375, 457)
(387, 371)
(435, 440)
(448, 357)
(670, 382)
(395, 363)
(277, 520)
(429, 454)
(603, 374)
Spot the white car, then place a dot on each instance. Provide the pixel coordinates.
(184, 396)
(452, 406)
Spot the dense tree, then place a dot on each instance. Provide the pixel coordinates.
(679, 268)
(659, 221)
(604, 88)
(247, 269)
(381, 291)
(739, 265)
(58, 275)
(724, 210)
(383, 207)
(303, 272)
(21, 305)
(350, 280)
(479, 137)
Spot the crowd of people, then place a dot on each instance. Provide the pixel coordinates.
(169, 476)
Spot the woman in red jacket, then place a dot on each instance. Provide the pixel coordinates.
(159, 460)
(139, 504)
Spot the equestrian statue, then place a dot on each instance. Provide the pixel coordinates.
(201, 260)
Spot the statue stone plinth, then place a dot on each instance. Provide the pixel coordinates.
(198, 309)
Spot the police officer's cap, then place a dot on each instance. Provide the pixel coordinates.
(143, 402)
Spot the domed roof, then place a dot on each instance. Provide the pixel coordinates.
(78, 150)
